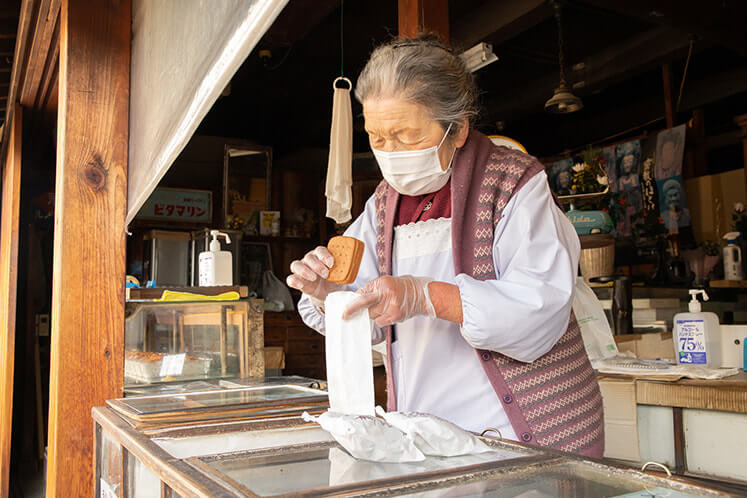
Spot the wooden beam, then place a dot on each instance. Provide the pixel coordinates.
(87, 331)
(43, 52)
(597, 71)
(424, 15)
(9, 218)
(19, 59)
(500, 21)
(721, 22)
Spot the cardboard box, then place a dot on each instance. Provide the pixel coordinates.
(650, 346)
(620, 418)
(274, 358)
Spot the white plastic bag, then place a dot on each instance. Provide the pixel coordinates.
(368, 438)
(595, 329)
(275, 293)
(433, 435)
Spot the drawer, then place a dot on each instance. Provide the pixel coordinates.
(303, 333)
(275, 336)
(282, 318)
(306, 347)
(295, 360)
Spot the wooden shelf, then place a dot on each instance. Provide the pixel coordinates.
(728, 284)
(279, 238)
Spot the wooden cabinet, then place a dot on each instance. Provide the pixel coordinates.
(304, 347)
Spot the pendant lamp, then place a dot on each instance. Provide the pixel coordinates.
(563, 101)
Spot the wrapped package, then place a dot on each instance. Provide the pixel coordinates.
(433, 435)
(368, 438)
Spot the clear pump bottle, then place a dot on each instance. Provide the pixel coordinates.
(697, 335)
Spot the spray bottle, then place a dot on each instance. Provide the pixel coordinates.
(216, 266)
(697, 335)
(732, 257)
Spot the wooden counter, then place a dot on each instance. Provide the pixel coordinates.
(728, 394)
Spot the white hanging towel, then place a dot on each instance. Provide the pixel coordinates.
(348, 352)
(339, 166)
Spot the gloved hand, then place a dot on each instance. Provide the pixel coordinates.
(309, 274)
(393, 299)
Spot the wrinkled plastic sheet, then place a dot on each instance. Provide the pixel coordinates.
(184, 53)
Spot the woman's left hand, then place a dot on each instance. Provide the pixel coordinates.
(393, 299)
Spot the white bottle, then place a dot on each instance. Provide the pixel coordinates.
(732, 257)
(697, 335)
(216, 266)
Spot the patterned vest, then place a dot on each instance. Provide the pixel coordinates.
(554, 401)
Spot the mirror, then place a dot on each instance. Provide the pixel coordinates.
(247, 173)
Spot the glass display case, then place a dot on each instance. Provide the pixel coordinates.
(269, 450)
(179, 341)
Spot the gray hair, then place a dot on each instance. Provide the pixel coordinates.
(422, 71)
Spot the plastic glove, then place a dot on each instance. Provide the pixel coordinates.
(309, 274)
(393, 299)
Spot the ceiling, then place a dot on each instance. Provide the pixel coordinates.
(285, 101)
(614, 51)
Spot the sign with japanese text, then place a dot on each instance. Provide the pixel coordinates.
(192, 206)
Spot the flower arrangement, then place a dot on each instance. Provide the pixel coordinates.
(589, 176)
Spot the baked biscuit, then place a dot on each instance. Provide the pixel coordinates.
(348, 253)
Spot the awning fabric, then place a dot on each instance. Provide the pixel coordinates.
(184, 53)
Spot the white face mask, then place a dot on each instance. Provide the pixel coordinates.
(414, 172)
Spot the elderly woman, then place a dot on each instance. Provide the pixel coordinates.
(469, 266)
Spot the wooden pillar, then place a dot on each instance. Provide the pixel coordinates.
(666, 76)
(87, 329)
(424, 15)
(741, 121)
(9, 217)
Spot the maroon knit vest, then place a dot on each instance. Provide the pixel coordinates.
(554, 401)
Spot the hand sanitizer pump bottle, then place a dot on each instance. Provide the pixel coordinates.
(697, 335)
(216, 266)
(732, 257)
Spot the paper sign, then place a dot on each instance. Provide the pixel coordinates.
(172, 364)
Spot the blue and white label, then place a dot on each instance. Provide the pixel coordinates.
(691, 342)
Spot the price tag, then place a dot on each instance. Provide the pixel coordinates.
(107, 491)
(172, 364)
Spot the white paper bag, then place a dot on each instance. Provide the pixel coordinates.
(349, 363)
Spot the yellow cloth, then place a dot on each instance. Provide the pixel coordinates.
(169, 295)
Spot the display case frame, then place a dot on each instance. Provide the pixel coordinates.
(118, 445)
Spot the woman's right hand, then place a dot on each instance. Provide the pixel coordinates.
(308, 274)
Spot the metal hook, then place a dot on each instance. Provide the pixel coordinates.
(334, 83)
(490, 429)
(657, 464)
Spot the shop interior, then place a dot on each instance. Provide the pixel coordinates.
(256, 165)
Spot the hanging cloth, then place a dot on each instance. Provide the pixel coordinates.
(339, 167)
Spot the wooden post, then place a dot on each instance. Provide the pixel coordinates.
(87, 329)
(666, 76)
(741, 121)
(9, 218)
(424, 15)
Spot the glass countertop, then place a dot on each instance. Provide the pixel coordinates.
(202, 400)
(326, 465)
